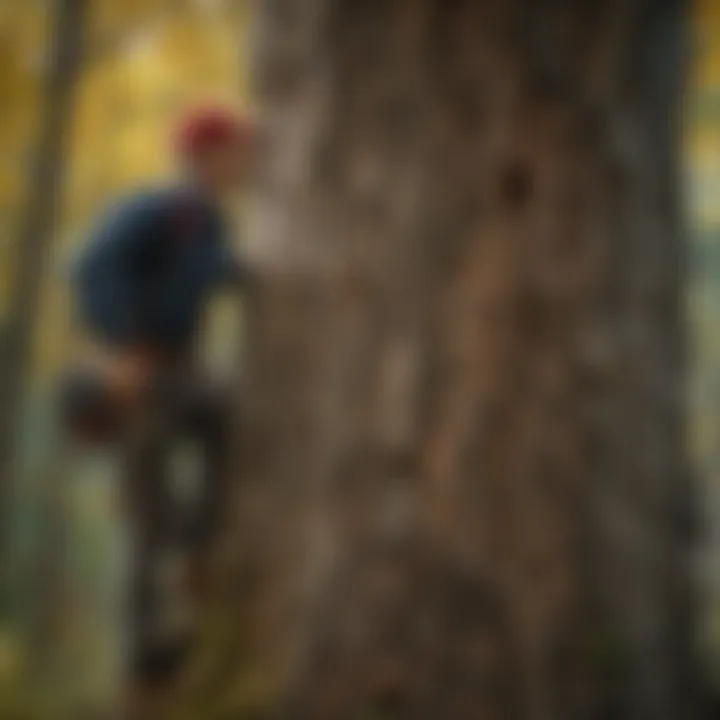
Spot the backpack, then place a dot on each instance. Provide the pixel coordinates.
(87, 410)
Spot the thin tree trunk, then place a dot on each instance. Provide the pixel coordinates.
(37, 226)
(464, 489)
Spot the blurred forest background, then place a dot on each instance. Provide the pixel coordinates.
(143, 62)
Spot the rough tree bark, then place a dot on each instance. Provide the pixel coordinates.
(465, 492)
(36, 225)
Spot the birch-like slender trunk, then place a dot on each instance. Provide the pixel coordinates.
(38, 224)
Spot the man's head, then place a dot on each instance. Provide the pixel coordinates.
(213, 144)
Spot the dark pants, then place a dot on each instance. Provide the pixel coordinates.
(168, 524)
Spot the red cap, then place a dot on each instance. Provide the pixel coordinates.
(206, 128)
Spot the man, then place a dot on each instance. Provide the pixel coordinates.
(141, 282)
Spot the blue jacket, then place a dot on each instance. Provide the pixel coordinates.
(146, 271)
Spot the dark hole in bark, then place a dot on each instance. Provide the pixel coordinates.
(516, 184)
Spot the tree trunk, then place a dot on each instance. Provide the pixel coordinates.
(465, 491)
(37, 226)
